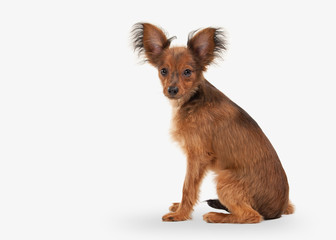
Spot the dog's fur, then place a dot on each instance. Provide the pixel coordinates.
(215, 133)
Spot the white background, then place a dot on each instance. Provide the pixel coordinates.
(84, 146)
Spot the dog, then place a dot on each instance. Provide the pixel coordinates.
(214, 132)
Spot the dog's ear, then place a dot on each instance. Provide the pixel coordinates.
(206, 45)
(150, 41)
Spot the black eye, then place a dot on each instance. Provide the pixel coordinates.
(187, 72)
(164, 71)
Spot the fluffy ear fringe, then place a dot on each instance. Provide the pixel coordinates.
(137, 38)
(220, 42)
(137, 35)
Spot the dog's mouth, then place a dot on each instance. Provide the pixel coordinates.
(173, 97)
(176, 97)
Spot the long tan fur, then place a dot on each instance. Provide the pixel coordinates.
(215, 133)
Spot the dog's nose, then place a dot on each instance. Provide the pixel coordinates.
(172, 91)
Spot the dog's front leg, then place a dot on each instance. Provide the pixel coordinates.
(193, 178)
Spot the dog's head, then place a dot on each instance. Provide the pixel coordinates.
(180, 68)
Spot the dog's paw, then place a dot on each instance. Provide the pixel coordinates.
(174, 217)
(213, 217)
(174, 207)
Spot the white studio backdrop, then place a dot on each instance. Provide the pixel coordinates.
(85, 151)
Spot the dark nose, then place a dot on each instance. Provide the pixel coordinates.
(172, 91)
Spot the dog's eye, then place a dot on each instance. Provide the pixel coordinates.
(187, 72)
(164, 71)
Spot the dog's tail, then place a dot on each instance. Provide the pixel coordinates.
(215, 203)
(290, 209)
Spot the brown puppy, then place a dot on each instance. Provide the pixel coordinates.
(215, 133)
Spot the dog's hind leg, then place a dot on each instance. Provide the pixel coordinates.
(232, 194)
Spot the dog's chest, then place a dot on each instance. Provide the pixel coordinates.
(184, 127)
